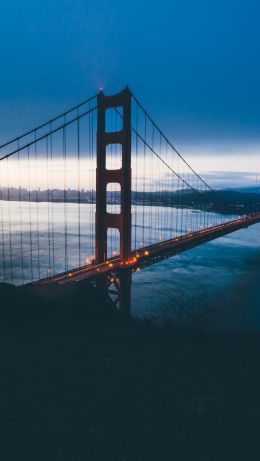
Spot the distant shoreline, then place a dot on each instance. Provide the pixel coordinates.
(229, 202)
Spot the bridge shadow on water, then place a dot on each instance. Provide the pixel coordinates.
(78, 382)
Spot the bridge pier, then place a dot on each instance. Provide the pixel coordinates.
(122, 176)
(118, 290)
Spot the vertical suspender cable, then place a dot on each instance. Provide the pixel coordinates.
(30, 212)
(2, 225)
(51, 193)
(9, 220)
(48, 205)
(152, 239)
(136, 180)
(65, 198)
(143, 178)
(78, 171)
(91, 134)
(20, 211)
(37, 205)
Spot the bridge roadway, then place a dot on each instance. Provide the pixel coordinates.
(152, 254)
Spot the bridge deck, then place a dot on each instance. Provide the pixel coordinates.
(147, 256)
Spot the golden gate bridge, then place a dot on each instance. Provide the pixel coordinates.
(99, 192)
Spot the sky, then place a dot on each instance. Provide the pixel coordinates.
(195, 66)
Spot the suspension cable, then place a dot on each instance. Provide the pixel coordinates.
(64, 125)
(173, 147)
(18, 138)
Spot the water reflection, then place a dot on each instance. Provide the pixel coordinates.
(226, 271)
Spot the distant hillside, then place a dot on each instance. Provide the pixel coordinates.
(225, 201)
(245, 190)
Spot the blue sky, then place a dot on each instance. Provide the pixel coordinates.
(194, 65)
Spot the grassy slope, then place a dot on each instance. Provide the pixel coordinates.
(85, 387)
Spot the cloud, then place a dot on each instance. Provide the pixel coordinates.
(232, 179)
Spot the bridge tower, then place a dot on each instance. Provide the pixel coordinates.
(121, 281)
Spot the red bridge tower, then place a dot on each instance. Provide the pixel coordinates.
(121, 281)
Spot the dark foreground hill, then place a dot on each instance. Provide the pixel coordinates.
(77, 383)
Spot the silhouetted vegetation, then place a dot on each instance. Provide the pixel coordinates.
(181, 309)
(78, 383)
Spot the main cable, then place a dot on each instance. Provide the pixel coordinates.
(18, 138)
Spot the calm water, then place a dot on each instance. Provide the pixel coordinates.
(221, 279)
(218, 283)
(41, 239)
